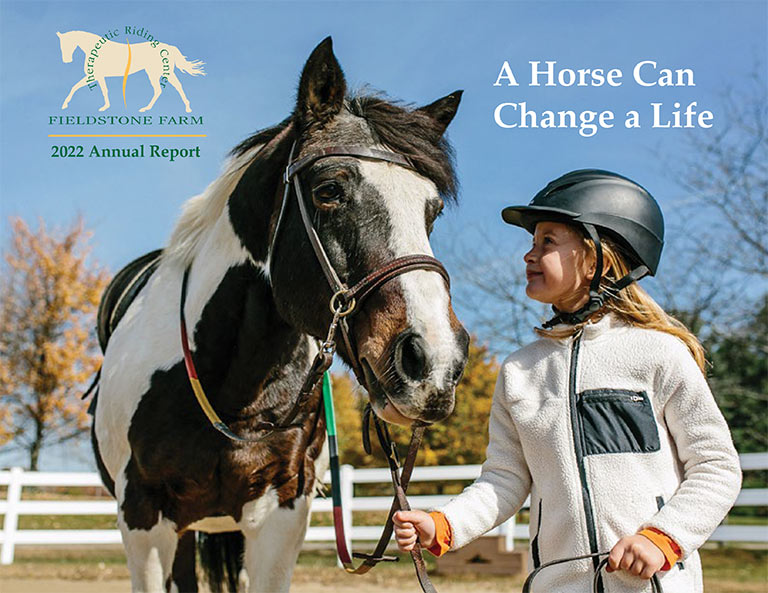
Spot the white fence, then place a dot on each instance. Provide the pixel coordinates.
(16, 479)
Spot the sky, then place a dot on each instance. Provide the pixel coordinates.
(414, 51)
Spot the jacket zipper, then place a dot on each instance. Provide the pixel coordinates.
(535, 542)
(578, 444)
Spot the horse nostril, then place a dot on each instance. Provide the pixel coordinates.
(458, 371)
(413, 356)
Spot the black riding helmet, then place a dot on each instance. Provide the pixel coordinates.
(603, 203)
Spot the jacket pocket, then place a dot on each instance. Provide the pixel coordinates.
(617, 421)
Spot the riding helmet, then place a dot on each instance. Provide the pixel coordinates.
(603, 203)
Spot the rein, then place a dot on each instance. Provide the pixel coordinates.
(400, 482)
(655, 581)
(344, 302)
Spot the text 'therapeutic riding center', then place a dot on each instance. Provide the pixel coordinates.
(109, 61)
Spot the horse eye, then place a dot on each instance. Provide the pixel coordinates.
(328, 192)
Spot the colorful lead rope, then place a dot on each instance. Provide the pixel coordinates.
(333, 451)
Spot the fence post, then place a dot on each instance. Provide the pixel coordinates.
(508, 530)
(11, 515)
(347, 496)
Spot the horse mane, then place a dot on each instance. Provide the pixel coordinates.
(201, 212)
(412, 133)
(402, 128)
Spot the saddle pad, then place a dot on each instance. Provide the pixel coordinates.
(120, 293)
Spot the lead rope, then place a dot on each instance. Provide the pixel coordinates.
(399, 482)
(655, 581)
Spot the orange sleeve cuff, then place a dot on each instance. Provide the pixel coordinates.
(666, 544)
(443, 534)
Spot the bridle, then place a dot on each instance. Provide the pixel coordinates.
(348, 299)
(344, 303)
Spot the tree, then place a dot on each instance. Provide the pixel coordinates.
(739, 380)
(490, 290)
(727, 175)
(48, 302)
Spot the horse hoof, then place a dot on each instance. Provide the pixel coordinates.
(189, 109)
(104, 108)
(143, 109)
(64, 106)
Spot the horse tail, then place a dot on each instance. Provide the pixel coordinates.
(194, 68)
(221, 557)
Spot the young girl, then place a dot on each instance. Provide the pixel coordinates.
(606, 420)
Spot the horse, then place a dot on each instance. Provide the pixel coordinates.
(108, 58)
(256, 301)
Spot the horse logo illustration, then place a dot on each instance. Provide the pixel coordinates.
(108, 58)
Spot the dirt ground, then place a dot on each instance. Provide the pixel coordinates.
(307, 579)
(104, 571)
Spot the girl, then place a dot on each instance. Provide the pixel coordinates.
(606, 420)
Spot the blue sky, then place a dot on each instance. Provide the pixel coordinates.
(415, 51)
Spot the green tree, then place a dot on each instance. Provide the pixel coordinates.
(739, 380)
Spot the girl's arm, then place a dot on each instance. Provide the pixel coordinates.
(504, 481)
(710, 464)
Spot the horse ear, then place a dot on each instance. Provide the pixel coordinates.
(322, 87)
(443, 110)
(57, 33)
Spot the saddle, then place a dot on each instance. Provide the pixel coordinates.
(121, 292)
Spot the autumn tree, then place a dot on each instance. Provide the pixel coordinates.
(48, 301)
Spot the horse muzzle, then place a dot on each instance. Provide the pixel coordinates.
(414, 381)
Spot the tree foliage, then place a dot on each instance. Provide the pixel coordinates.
(48, 301)
(739, 380)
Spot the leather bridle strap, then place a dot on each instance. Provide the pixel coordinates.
(399, 481)
(342, 295)
(655, 581)
(346, 150)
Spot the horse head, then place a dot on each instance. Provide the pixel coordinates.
(409, 346)
(68, 45)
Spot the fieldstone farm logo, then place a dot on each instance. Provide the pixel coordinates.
(104, 58)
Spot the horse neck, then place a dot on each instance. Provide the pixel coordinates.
(82, 39)
(240, 338)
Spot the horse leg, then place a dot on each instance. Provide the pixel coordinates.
(150, 540)
(78, 85)
(184, 575)
(103, 87)
(155, 82)
(173, 79)
(272, 547)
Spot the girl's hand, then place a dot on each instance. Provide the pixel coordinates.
(637, 555)
(410, 525)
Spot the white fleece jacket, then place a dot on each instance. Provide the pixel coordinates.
(610, 432)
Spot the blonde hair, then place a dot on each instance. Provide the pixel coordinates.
(633, 304)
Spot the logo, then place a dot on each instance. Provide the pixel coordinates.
(105, 58)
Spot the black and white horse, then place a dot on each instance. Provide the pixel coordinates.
(254, 310)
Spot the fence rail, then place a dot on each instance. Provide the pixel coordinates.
(16, 479)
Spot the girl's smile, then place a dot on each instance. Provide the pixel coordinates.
(558, 267)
